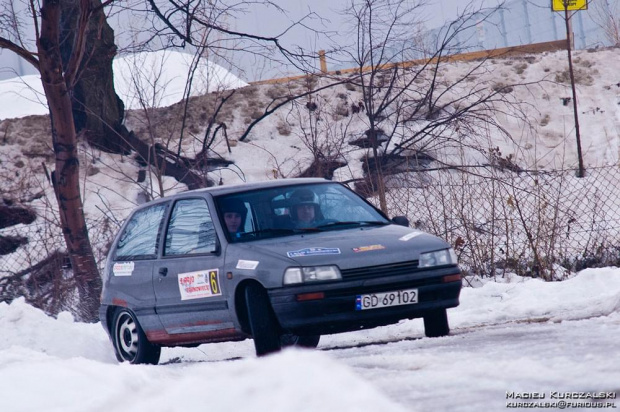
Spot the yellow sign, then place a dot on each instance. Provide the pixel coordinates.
(558, 5)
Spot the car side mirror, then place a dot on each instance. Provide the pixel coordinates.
(401, 220)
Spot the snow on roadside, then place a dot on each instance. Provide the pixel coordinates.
(591, 293)
(594, 292)
(72, 366)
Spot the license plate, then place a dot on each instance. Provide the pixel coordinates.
(382, 300)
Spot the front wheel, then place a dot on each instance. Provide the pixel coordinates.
(130, 342)
(263, 323)
(306, 341)
(436, 323)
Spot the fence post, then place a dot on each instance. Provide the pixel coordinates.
(323, 61)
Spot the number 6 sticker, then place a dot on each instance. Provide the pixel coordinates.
(214, 281)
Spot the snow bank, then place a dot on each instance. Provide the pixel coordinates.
(158, 78)
(70, 367)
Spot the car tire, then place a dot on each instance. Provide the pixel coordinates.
(305, 341)
(436, 323)
(130, 342)
(263, 323)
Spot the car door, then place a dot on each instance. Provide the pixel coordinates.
(190, 291)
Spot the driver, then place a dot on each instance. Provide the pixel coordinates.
(234, 213)
(305, 209)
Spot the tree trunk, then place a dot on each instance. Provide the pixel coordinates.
(66, 176)
(98, 112)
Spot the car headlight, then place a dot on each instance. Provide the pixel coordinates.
(438, 258)
(311, 274)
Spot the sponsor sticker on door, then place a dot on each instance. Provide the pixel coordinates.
(123, 268)
(200, 284)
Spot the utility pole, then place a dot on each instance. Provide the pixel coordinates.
(565, 6)
(569, 37)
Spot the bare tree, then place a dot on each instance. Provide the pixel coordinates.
(323, 124)
(59, 77)
(411, 109)
(204, 27)
(206, 24)
(606, 14)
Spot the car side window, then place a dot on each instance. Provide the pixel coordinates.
(190, 230)
(139, 239)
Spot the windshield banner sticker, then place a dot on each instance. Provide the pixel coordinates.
(200, 284)
(314, 251)
(123, 269)
(368, 248)
(247, 264)
(410, 236)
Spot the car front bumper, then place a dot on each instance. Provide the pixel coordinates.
(336, 311)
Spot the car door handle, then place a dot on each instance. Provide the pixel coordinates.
(163, 271)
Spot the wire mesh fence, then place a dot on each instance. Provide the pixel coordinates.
(40, 270)
(542, 223)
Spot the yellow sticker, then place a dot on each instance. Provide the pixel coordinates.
(215, 286)
(368, 248)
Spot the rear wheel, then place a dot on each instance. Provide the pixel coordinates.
(306, 341)
(263, 323)
(436, 323)
(130, 342)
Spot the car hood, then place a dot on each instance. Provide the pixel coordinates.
(347, 248)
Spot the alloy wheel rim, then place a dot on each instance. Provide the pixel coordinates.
(127, 337)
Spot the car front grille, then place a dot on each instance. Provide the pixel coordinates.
(393, 269)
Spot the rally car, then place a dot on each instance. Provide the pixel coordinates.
(282, 262)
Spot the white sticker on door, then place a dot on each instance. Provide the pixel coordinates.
(200, 284)
(123, 268)
(247, 264)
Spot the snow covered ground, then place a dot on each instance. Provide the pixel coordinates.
(515, 336)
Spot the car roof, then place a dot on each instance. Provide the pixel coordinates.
(245, 187)
(241, 187)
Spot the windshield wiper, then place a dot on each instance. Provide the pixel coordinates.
(356, 223)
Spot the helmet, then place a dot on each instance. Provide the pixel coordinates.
(234, 206)
(304, 197)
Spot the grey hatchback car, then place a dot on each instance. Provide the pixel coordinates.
(282, 262)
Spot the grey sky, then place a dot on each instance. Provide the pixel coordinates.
(267, 22)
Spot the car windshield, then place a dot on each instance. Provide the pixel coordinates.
(294, 209)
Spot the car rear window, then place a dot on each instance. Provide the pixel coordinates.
(139, 239)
